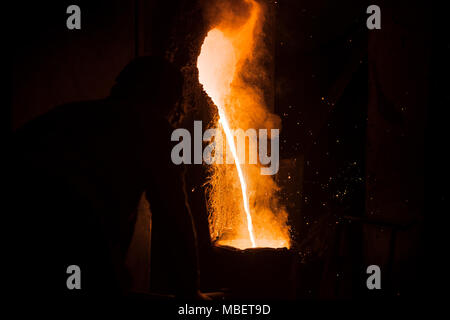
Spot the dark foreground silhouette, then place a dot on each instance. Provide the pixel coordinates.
(78, 174)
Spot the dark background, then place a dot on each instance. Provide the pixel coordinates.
(353, 104)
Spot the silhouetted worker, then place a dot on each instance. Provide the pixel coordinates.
(80, 171)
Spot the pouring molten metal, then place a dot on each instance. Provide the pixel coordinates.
(243, 204)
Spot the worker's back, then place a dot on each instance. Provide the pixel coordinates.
(79, 172)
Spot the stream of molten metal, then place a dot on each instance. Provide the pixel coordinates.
(216, 65)
(245, 210)
(230, 139)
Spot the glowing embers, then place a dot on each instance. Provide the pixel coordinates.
(244, 209)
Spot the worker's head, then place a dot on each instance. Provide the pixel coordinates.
(150, 79)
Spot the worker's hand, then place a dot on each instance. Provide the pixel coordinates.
(198, 295)
(202, 296)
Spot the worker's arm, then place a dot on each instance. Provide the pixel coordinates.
(170, 211)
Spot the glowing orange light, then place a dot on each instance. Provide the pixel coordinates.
(221, 62)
